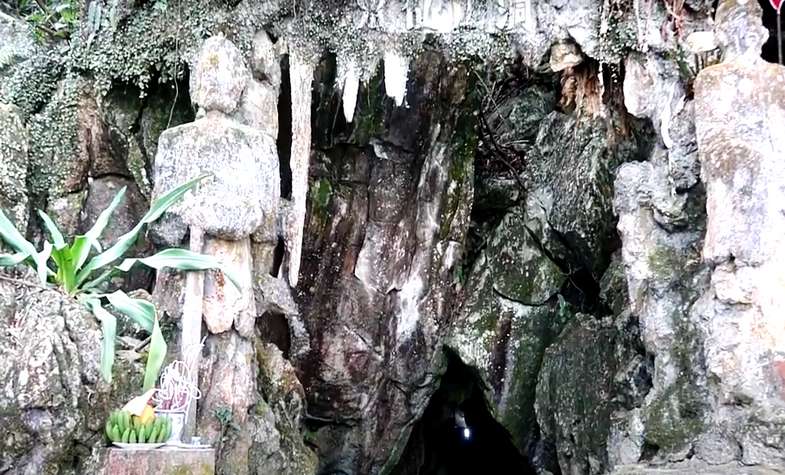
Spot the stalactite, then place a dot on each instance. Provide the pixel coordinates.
(396, 70)
(301, 77)
(349, 79)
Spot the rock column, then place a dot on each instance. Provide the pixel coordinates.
(239, 197)
(740, 105)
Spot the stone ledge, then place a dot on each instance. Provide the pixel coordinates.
(726, 469)
(163, 461)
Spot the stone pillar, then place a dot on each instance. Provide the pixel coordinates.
(239, 197)
(740, 109)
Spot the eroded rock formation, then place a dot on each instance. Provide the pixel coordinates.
(579, 205)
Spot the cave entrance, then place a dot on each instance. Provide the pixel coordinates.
(442, 444)
(769, 51)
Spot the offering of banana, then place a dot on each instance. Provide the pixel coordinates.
(122, 427)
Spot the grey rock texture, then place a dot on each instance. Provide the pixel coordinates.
(740, 164)
(510, 316)
(278, 445)
(53, 403)
(620, 307)
(13, 166)
(221, 75)
(592, 372)
(244, 170)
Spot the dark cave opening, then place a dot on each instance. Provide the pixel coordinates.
(769, 51)
(457, 433)
(274, 328)
(284, 141)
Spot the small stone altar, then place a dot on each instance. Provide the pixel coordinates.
(161, 461)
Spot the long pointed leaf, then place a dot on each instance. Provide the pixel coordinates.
(80, 250)
(109, 327)
(163, 203)
(128, 239)
(54, 232)
(66, 273)
(9, 260)
(181, 259)
(13, 238)
(138, 310)
(105, 276)
(41, 262)
(103, 219)
(155, 357)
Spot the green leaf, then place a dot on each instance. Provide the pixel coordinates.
(80, 250)
(13, 238)
(105, 276)
(66, 273)
(9, 260)
(41, 260)
(128, 239)
(155, 357)
(181, 259)
(109, 327)
(103, 219)
(138, 310)
(54, 232)
(163, 203)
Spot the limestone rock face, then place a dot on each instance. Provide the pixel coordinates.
(228, 378)
(265, 62)
(591, 373)
(50, 350)
(242, 191)
(278, 445)
(259, 108)
(656, 258)
(226, 306)
(568, 206)
(510, 316)
(221, 75)
(13, 166)
(741, 164)
(374, 303)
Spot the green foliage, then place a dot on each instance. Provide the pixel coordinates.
(73, 272)
(51, 19)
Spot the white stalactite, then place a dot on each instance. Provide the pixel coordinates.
(396, 71)
(349, 78)
(301, 77)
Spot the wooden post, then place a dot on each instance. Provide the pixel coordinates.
(192, 328)
(779, 35)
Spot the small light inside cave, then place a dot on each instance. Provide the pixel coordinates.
(467, 433)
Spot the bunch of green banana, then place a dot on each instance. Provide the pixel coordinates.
(127, 429)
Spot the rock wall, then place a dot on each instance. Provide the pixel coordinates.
(580, 202)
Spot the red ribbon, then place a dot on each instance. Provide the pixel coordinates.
(776, 4)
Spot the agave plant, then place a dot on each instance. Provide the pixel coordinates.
(72, 269)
